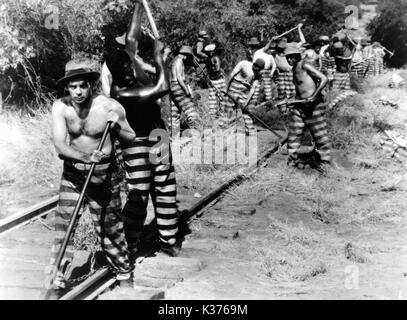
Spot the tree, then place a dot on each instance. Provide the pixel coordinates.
(389, 28)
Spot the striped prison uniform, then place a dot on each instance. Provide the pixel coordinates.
(341, 81)
(358, 70)
(328, 66)
(268, 84)
(216, 106)
(239, 91)
(370, 67)
(182, 103)
(144, 178)
(103, 199)
(312, 116)
(285, 85)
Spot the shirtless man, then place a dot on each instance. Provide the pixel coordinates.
(217, 78)
(309, 83)
(243, 86)
(81, 118)
(343, 60)
(285, 83)
(181, 93)
(148, 160)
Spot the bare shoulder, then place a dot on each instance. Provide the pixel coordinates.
(59, 106)
(111, 104)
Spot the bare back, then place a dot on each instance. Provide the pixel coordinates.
(177, 69)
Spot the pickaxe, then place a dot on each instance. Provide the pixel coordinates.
(289, 31)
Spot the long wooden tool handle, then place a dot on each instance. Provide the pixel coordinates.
(68, 233)
(150, 19)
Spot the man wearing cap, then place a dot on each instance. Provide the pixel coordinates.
(81, 118)
(148, 160)
(309, 83)
(243, 86)
(358, 66)
(286, 88)
(378, 54)
(343, 59)
(181, 93)
(217, 78)
(269, 68)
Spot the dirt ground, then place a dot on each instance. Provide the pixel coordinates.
(295, 235)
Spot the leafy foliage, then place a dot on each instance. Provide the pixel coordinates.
(33, 56)
(389, 28)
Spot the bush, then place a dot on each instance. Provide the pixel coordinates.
(389, 29)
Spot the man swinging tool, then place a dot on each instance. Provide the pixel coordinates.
(309, 110)
(243, 87)
(149, 169)
(82, 117)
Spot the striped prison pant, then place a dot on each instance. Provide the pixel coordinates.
(216, 106)
(268, 84)
(181, 103)
(285, 85)
(370, 67)
(313, 117)
(328, 67)
(358, 70)
(147, 177)
(103, 199)
(239, 92)
(341, 81)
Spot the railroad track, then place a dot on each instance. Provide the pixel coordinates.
(103, 279)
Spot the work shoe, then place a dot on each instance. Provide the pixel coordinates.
(124, 276)
(171, 250)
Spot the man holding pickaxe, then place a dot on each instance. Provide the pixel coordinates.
(83, 117)
(243, 88)
(181, 92)
(148, 160)
(285, 83)
(309, 110)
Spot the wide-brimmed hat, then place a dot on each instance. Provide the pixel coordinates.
(292, 49)
(203, 34)
(210, 47)
(121, 39)
(253, 41)
(186, 50)
(76, 69)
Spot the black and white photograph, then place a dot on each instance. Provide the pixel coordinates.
(203, 150)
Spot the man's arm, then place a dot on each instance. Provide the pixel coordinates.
(60, 134)
(273, 66)
(302, 37)
(106, 80)
(199, 51)
(122, 128)
(145, 66)
(314, 73)
(234, 73)
(148, 93)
